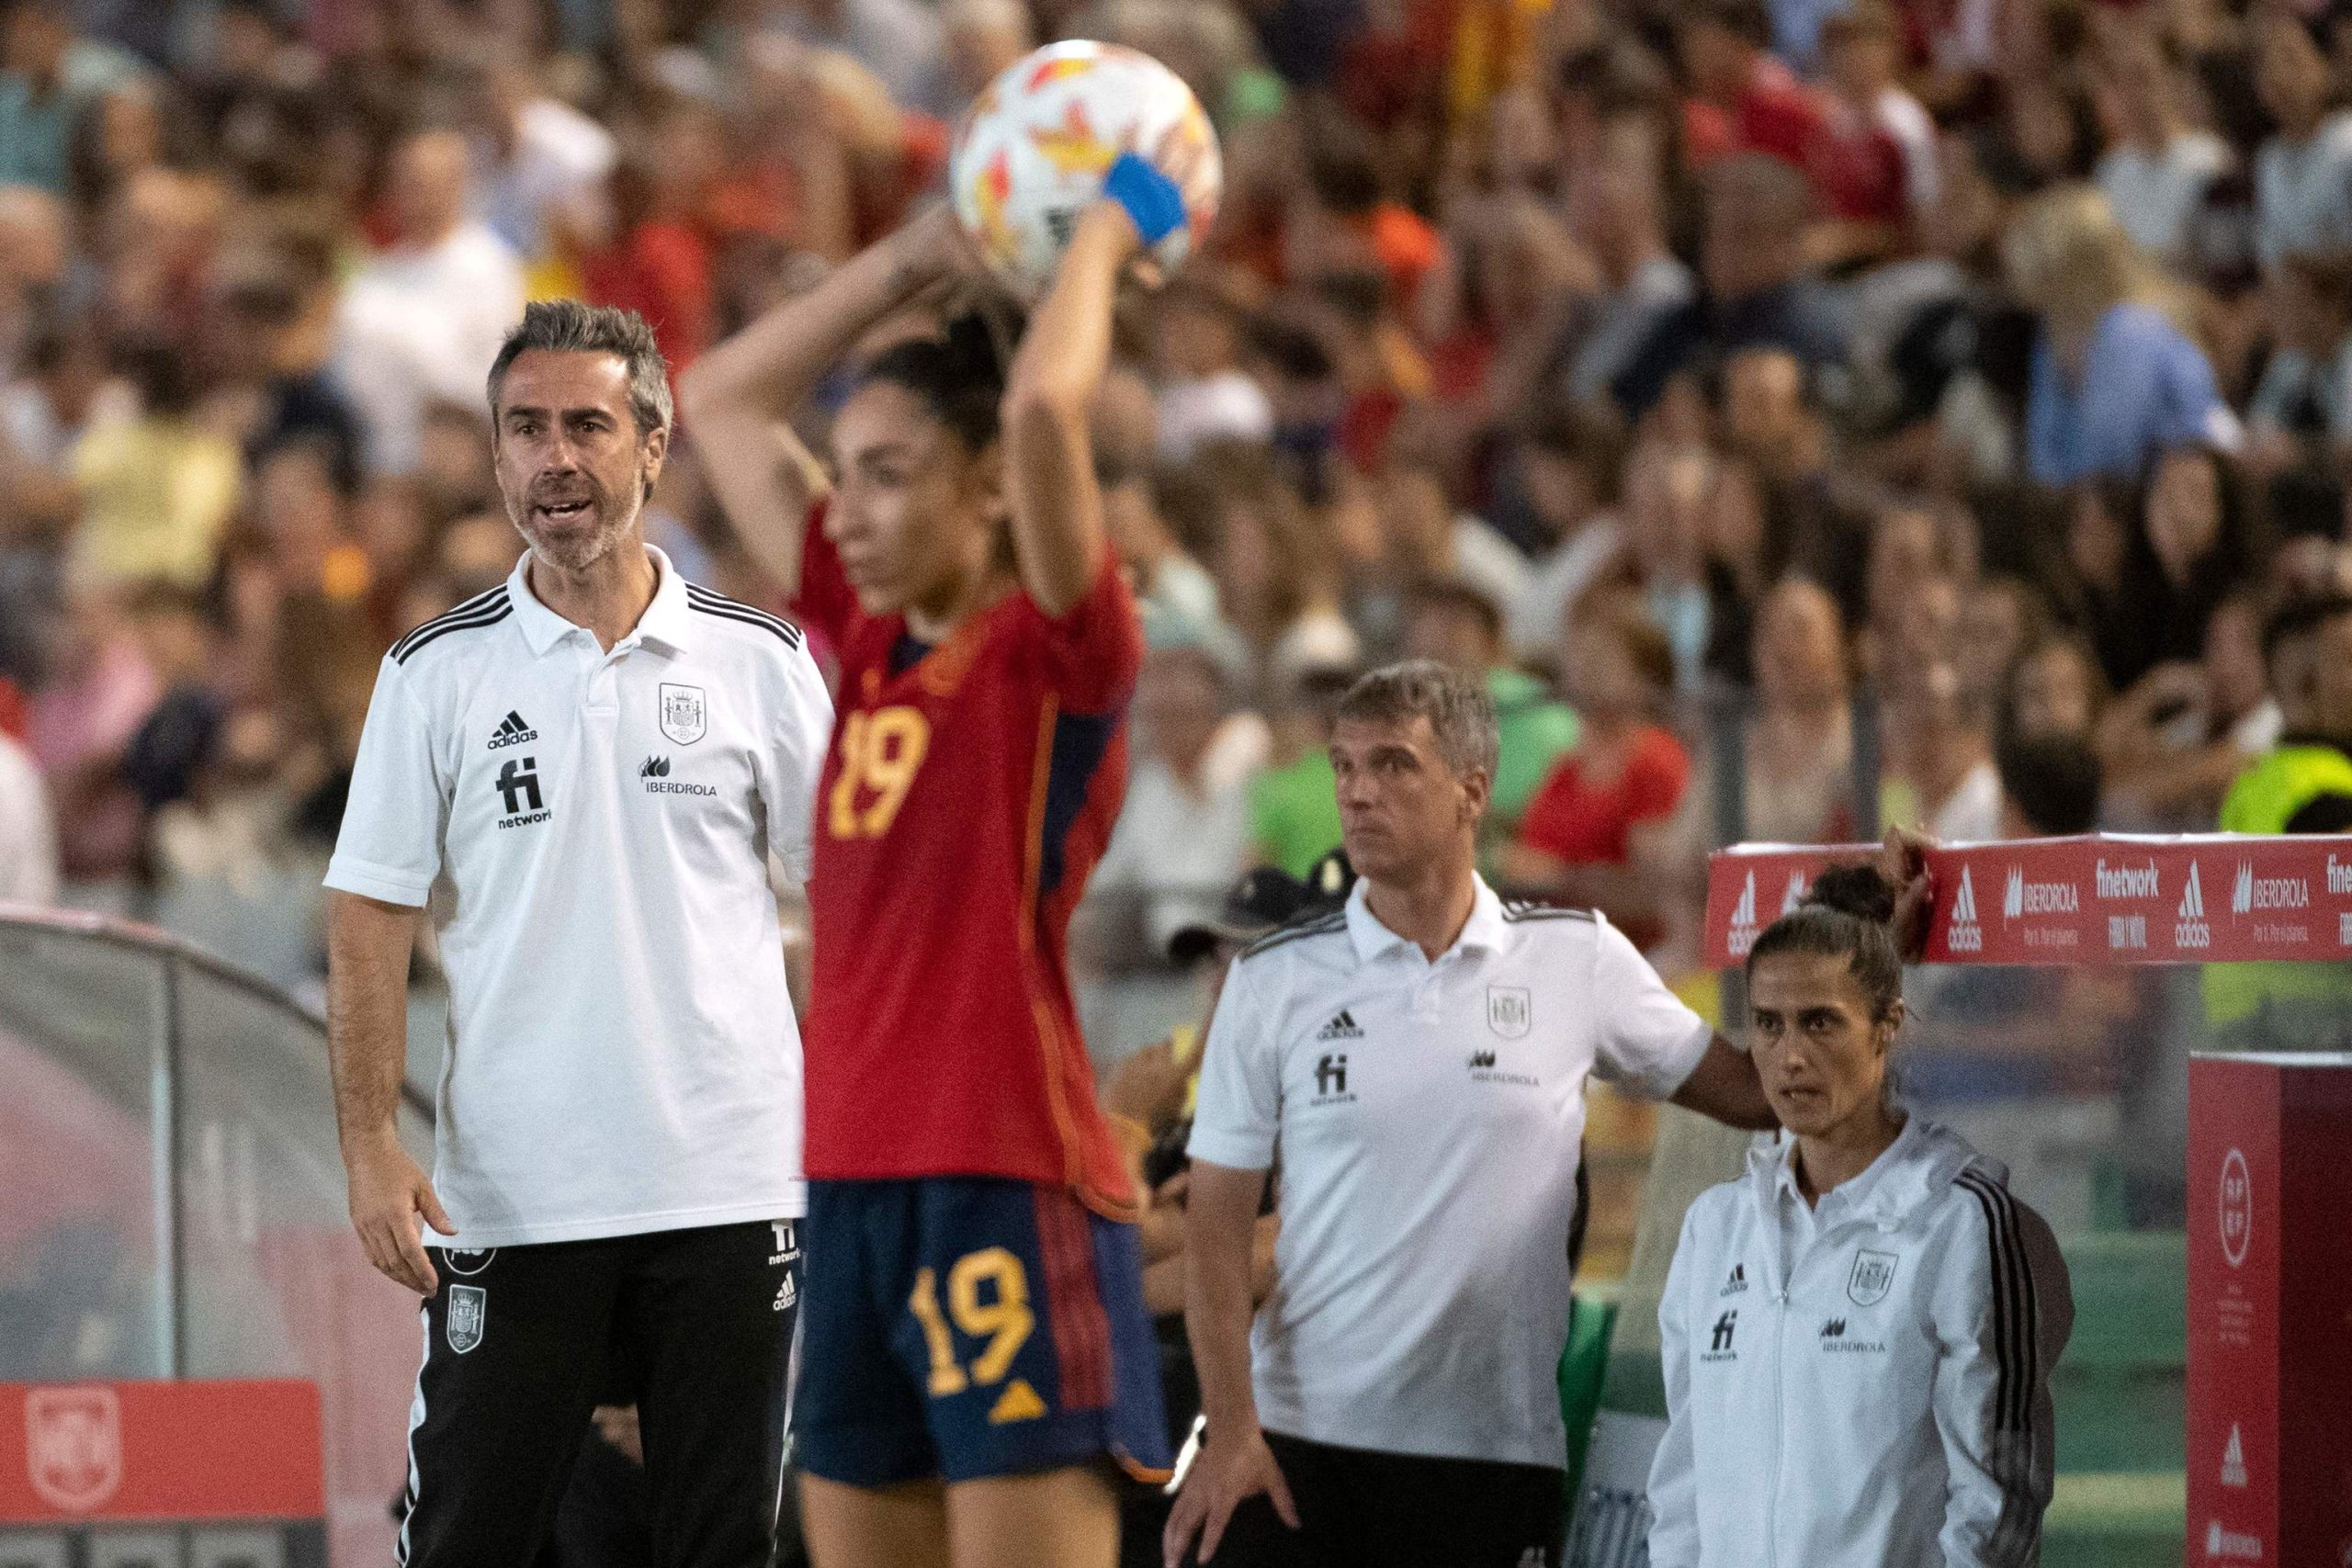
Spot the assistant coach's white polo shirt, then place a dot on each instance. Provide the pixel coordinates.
(623, 1056)
(1427, 1119)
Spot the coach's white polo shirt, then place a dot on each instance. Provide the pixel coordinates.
(622, 1056)
(1427, 1118)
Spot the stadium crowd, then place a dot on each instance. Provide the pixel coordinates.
(1658, 360)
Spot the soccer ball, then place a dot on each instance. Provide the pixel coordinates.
(1034, 149)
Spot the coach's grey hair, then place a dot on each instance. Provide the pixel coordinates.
(567, 326)
(1461, 713)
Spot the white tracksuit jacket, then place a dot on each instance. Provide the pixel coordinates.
(1880, 1401)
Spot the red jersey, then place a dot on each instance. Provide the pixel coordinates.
(969, 789)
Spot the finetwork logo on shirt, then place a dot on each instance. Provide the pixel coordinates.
(1331, 1078)
(1342, 1027)
(1719, 1344)
(1967, 935)
(518, 788)
(512, 731)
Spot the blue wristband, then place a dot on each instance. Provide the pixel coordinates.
(1150, 197)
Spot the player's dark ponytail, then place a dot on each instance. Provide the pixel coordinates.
(958, 376)
(1848, 913)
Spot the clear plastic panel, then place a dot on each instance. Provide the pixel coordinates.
(275, 1282)
(82, 1287)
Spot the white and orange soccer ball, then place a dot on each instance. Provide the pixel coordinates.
(1035, 148)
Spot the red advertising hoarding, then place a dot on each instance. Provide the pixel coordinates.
(2104, 899)
(192, 1473)
(2269, 1331)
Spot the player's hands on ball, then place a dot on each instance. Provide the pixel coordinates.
(1231, 1470)
(389, 1192)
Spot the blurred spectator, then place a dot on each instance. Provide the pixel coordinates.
(158, 487)
(2306, 389)
(2302, 172)
(1742, 98)
(50, 74)
(899, 40)
(1576, 838)
(1758, 294)
(1563, 476)
(1616, 210)
(1800, 741)
(1876, 155)
(2158, 168)
(1294, 809)
(422, 321)
(2054, 688)
(1182, 834)
(1455, 625)
(2114, 381)
(545, 163)
(1277, 571)
(2049, 788)
(1939, 741)
(1204, 395)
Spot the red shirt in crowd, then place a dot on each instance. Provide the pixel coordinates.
(1774, 113)
(969, 789)
(1585, 822)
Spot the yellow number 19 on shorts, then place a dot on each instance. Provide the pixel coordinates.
(1003, 1320)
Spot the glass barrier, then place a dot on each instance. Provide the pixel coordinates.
(176, 1202)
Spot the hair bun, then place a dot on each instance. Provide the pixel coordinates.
(969, 345)
(1860, 891)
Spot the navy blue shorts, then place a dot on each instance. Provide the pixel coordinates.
(967, 1327)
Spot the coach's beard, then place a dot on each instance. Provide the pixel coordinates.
(556, 537)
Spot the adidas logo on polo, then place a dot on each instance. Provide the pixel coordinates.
(1342, 1027)
(512, 731)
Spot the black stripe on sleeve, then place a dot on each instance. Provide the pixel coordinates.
(472, 606)
(425, 634)
(2013, 1303)
(711, 604)
(1281, 935)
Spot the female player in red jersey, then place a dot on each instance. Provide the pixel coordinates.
(977, 1346)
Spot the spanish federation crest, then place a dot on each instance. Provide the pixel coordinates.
(1874, 1275)
(1509, 1010)
(468, 1310)
(684, 717)
(74, 1446)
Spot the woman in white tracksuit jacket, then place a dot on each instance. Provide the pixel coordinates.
(1857, 1334)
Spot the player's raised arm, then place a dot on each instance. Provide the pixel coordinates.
(1058, 533)
(738, 398)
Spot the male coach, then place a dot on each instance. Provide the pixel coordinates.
(593, 761)
(1420, 1059)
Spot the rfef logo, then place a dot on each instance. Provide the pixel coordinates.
(2236, 1208)
(74, 1446)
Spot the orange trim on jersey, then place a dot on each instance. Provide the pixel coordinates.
(1033, 856)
